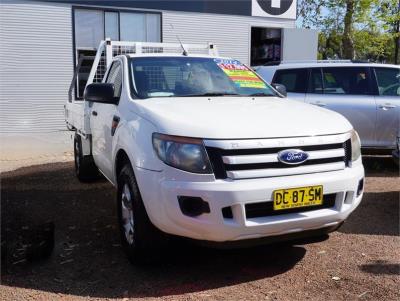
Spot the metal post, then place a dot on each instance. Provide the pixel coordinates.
(109, 53)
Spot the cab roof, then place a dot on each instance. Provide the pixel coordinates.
(133, 55)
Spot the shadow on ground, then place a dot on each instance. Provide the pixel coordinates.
(380, 166)
(378, 213)
(88, 261)
(87, 258)
(381, 268)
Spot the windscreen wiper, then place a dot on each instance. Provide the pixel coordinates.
(260, 94)
(210, 94)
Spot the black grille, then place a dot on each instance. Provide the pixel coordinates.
(280, 165)
(220, 168)
(347, 152)
(267, 208)
(215, 155)
(275, 150)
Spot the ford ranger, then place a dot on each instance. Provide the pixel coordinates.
(199, 146)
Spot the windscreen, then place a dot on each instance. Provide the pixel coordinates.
(189, 76)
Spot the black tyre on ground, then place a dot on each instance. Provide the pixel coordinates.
(142, 241)
(85, 168)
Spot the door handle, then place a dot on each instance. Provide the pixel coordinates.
(318, 103)
(387, 106)
(94, 113)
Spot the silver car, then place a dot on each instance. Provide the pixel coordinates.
(367, 94)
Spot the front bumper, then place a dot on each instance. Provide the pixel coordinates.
(160, 197)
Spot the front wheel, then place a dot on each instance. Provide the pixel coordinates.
(142, 241)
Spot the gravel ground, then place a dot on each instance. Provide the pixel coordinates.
(359, 262)
(21, 150)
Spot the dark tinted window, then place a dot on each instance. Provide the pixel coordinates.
(294, 80)
(115, 77)
(388, 81)
(315, 82)
(346, 80)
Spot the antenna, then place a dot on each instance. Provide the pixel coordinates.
(185, 53)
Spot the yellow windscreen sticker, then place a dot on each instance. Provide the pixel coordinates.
(240, 74)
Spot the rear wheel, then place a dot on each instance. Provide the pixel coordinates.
(142, 241)
(85, 168)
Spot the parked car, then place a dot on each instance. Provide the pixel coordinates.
(199, 146)
(367, 94)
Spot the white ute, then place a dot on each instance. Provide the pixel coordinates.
(200, 146)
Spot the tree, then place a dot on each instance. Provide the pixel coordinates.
(310, 12)
(389, 15)
(354, 29)
(347, 39)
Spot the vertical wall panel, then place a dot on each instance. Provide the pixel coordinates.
(36, 65)
(292, 38)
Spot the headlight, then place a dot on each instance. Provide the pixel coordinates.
(355, 146)
(187, 154)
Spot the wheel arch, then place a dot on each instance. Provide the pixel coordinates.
(121, 159)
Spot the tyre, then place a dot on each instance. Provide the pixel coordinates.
(141, 240)
(85, 168)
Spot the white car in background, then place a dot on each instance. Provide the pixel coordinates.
(367, 94)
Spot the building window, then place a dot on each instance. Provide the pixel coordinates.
(133, 27)
(265, 45)
(89, 28)
(93, 25)
(111, 25)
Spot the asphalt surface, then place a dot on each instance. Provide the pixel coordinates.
(359, 262)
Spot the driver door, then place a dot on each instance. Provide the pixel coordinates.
(101, 120)
(388, 102)
(346, 90)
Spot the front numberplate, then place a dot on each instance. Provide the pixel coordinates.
(298, 197)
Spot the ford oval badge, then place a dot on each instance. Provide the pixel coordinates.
(292, 156)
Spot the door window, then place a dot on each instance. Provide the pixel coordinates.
(295, 80)
(388, 81)
(315, 83)
(115, 77)
(346, 80)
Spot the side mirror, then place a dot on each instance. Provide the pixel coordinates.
(280, 88)
(100, 92)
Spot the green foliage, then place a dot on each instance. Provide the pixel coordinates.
(359, 29)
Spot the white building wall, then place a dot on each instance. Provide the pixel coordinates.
(36, 65)
(231, 34)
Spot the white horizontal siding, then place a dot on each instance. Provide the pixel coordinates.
(231, 34)
(36, 65)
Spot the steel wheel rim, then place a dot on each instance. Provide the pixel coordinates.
(128, 222)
